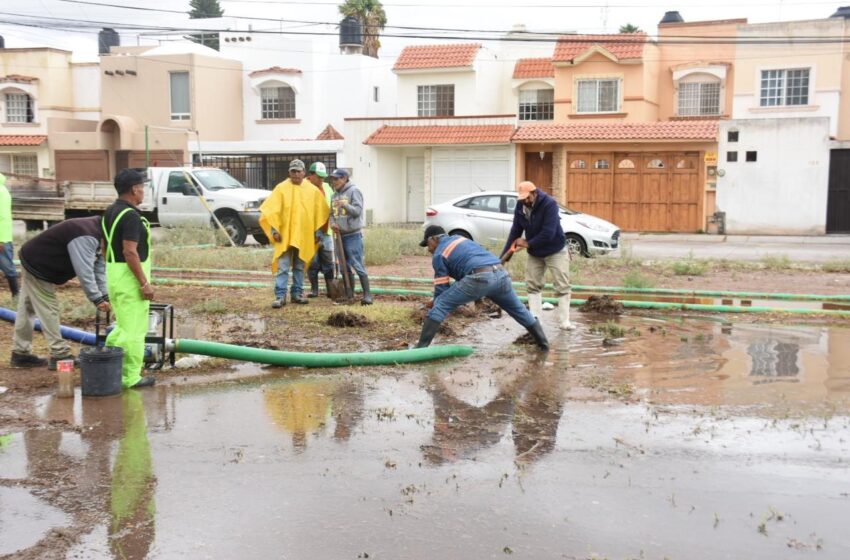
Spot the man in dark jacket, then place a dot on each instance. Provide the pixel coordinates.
(348, 218)
(67, 250)
(538, 216)
(477, 273)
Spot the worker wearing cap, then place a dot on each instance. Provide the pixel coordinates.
(127, 248)
(6, 249)
(324, 259)
(477, 273)
(538, 217)
(349, 219)
(291, 216)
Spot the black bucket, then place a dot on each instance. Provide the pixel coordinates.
(100, 369)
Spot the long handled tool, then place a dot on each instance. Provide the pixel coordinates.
(343, 266)
(335, 291)
(506, 256)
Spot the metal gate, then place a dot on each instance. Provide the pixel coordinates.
(262, 171)
(838, 198)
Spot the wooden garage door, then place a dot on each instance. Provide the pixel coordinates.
(638, 191)
(82, 165)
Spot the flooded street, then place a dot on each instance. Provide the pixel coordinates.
(685, 438)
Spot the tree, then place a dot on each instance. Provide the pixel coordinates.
(629, 28)
(202, 9)
(371, 15)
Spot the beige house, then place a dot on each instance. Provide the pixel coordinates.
(154, 100)
(37, 85)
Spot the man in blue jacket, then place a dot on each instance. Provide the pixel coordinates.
(477, 273)
(538, 216)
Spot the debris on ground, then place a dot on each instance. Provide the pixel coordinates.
(348, 319)
(602, 304)
(525, 339)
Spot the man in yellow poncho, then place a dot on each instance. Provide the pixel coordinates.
(291, 216)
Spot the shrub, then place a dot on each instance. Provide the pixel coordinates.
(634, 279)
(689, 268)
(776, 262)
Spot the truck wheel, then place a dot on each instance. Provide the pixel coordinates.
(261, 238)
(234, 228)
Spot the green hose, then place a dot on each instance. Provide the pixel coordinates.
(626, 303)
(323, 360)
(577, 287)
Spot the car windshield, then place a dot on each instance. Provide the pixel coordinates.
(216, 179)
(566, 211)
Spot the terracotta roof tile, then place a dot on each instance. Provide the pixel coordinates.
(534, 68)
(421, 57)
(274, 70)
(22, 140)
(624, 46)
(441, 134)
(667, 130)
(330, 133)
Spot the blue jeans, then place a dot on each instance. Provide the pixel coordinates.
(7, 256)
(287, 260)
(495, 285)
(323, 261)
(352, 244)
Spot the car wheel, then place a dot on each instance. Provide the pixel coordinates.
(261, 238)
(577, 245)
(235, 229)
(461, 233)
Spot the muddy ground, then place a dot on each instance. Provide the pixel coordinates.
(648, 435)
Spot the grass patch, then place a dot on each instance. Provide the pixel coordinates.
(609, 329)
(689, 267)
(836, 266)
(183, 236)
(238, 258)
(634, 279)
(214, 306)
(776, 262)
(384, 245)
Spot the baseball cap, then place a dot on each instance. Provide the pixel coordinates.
(319, 169)
(340, 174)
(430, 232)
(524, 189)
(296, 164)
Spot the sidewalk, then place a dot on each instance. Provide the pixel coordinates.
(832, 239)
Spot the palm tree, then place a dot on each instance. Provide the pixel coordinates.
(629, 28)
(371, 15)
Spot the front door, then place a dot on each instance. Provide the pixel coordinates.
(415, 189)
(538, 170)
(838, 196)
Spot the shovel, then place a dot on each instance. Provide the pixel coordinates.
(343, 266)
(506, 256)
(335, 290)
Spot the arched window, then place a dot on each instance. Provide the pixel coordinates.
(536, 104)
(578, 164)
(655, 164)
(685, 164)
(277, 102)
(626, 164)
(699, 95)
(601, 164)
(19, 107)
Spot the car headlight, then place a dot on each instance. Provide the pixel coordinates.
(594, 227)
(252, 205)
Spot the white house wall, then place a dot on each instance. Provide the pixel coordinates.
(785, 191)
(466, 94)
(85, 79)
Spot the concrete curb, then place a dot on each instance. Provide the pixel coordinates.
(740, 239)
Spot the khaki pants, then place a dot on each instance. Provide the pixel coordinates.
(38, 299)
(558, 264)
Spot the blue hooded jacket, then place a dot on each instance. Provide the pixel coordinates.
(542, 229)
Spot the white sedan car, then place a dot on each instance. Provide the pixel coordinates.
(486, 217)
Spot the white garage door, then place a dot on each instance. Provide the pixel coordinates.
(467, 170)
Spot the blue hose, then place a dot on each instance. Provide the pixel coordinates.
(68, 333)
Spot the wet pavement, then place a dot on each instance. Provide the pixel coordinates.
(685, 438)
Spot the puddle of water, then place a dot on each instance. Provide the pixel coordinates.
(25, 519)
(738, 302)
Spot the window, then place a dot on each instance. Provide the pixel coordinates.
(19, 108)
(376, 94)
(436, 101)
(598, 96)
(578, 164)
(180, 96)
(732, 136)
(176, 182)
(601, 164)
(731, 157)
(784, 87)
(486, 203)
(25, 165)
(655, 164)
(751, 156)
(626, 164)
(699, 98)
(536, 105)
(510, 204)
(277, 102)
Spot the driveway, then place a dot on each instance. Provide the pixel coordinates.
(814, 249)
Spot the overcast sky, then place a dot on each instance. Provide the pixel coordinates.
(583, 16)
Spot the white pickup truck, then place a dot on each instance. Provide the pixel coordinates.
(175, 196)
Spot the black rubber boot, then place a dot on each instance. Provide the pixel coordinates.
(367, 295)
(350, 293)
(429, 331)
(536, 331)
(328, 280)
(13, 285)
